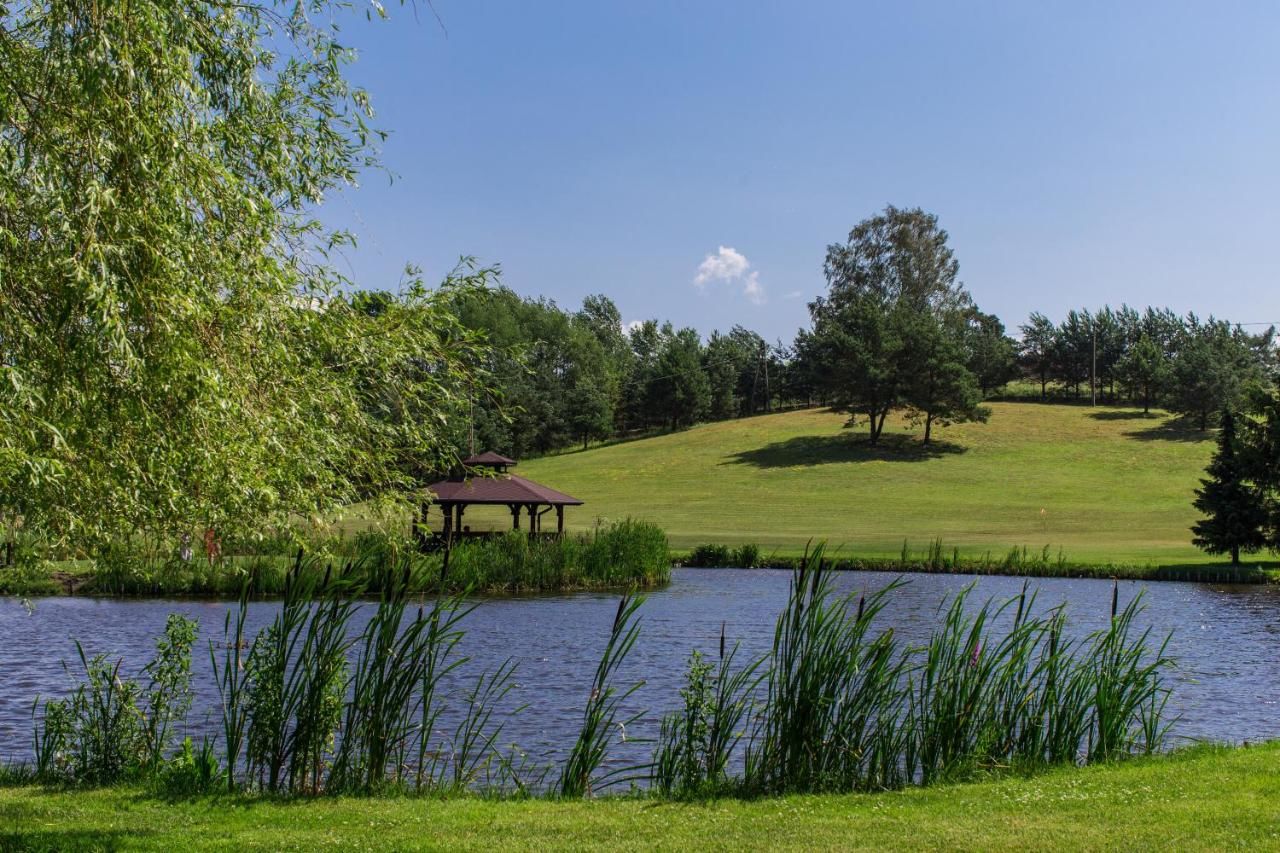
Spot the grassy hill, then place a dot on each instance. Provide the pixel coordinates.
(1104, 484)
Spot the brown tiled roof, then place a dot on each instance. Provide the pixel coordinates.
(503, 489)
(488, 458)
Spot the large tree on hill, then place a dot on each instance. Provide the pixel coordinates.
(1233, 508)
(938, 387)
(893, 281)
(173, 348)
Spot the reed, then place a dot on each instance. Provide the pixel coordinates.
(846, 708)
(622, 555)
(832, 717)
(310, 724)
(394, 673)
(315, 704)
(111, 728)
(600, 713)
(695, 744)
(232, 681)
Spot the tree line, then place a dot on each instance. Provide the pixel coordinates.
(1151, 358)
(565, 377)
(895, 332)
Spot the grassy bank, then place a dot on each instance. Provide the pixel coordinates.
(620, 555)
(1017, 562)
(1208, 798)
(1104, 486)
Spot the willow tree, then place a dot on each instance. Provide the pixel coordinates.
(174, 348)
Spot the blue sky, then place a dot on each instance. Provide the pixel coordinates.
(1078, 153)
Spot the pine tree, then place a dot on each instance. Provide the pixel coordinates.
(1235, 516)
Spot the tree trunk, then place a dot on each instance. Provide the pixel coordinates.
(1043, 384)
(584, 440)
(928, 427)
(1235, 555)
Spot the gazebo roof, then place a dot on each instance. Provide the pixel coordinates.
(503, 489)
(488, 459)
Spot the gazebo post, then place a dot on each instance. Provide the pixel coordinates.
(559, 519)
(533, 520)
(447, 510)
(515, 516)
(458, 525)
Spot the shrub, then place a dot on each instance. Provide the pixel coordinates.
(709, 557)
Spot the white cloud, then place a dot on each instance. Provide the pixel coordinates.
(628, 328)
(732, 267)
(792, 294)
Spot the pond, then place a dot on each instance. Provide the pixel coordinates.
(1226, 686)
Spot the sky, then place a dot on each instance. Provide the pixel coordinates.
(693, 160)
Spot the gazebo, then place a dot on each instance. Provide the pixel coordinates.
(494, 485)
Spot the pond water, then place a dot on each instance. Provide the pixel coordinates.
(1226, 686)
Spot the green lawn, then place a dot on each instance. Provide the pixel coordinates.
(1104, 485)
(1206, 799)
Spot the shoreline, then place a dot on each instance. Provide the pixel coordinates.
(1202, 797)
(1016, 563)
(61, 583)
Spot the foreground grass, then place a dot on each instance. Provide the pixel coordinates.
(1104, 485)
(1208, 798)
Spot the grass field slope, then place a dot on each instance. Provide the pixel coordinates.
(1101, 484)
(1207, 799)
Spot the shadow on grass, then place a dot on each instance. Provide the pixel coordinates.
(809, 450)
(69, 839)
(1124, 415)
(1250, 570)
(1179, 429)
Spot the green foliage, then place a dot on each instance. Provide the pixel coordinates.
(1235, 509)
(192, 771)
(1214, 369)
(696, 742)
(1145, 370)
(624, 554)
(849, 709)
(834, 716)
(710, 556)
(897, 330)
(174, 350)
(111, 728)
(713, 556)
(1191, 366)
(295, 687)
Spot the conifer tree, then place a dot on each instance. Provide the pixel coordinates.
(1235, 516)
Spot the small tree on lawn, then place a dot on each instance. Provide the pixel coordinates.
(1235, 516)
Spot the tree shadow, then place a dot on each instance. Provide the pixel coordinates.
(1251, 570)
(1179, 429)
(69, 839)
(810, 450)
(1124, 415)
